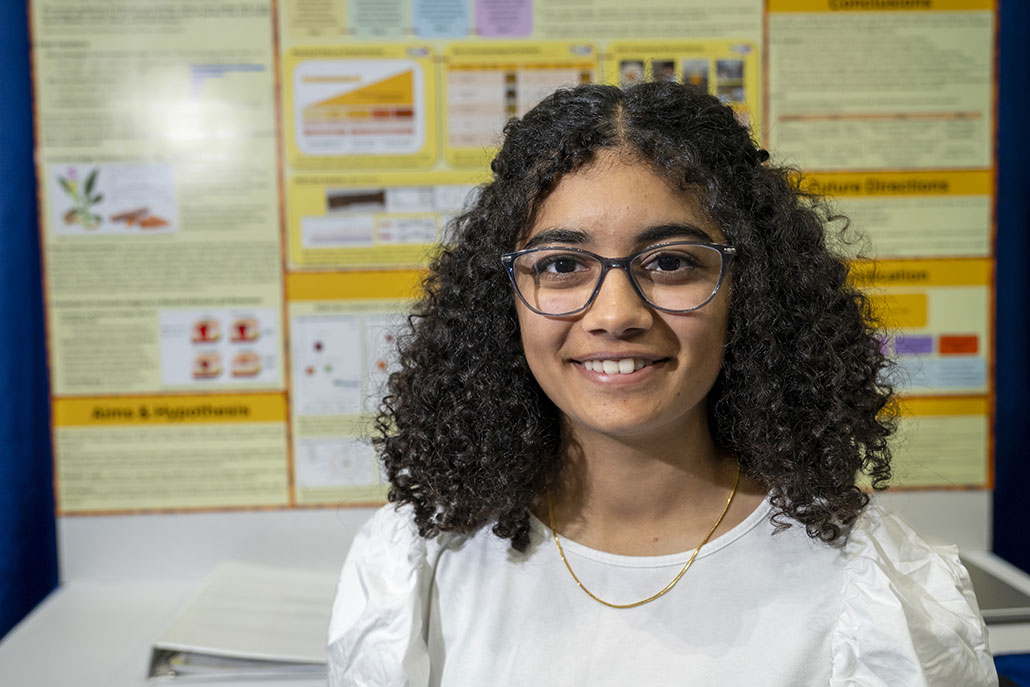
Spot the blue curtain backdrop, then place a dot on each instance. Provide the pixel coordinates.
(28, 562)
(28, 545)
(1012, 330)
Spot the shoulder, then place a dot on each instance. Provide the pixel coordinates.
(392, 527)
(375, 632)
(908, 615)
(388, 544)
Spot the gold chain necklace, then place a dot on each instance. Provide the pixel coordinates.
(561, 552)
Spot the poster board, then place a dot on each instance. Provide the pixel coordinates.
(236, 200)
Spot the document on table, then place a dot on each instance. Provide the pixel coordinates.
(250, 621)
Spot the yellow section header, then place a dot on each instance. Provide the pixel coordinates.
(891, 273)
(443, 177)
(362, 50)
(901, 310)
(975, 183)
(538, 51)
(335, 286)
(877, 5)
(928, 406)
(165, 410)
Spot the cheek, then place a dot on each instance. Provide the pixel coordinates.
(703, 344)
(541, 343)
(717, 336)
(717, 347)
(530, 334)
(718, 312)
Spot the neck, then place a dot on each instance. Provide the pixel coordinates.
(642, 495)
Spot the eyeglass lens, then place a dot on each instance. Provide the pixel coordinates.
(555, 281)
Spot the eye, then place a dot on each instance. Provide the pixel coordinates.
(679, 264)
(559, 264)
(667, 263)
(670, 261)
(555, 268)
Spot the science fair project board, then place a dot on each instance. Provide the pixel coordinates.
(237, 197)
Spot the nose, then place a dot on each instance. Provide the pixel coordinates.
(617, 309)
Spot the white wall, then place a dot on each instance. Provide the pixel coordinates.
(188, 546)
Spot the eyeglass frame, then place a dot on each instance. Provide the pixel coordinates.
(726, 255)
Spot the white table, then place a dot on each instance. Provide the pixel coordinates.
(98, 634)
(127, 578)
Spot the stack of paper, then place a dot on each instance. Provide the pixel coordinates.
(247, 623)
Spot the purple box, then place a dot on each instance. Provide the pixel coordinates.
(913, 345)
(504, 17)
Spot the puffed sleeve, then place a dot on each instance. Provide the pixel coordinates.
(376, 636)
(908, 615)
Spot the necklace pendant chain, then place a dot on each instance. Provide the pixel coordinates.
(690, 561)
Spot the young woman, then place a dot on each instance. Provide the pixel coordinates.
(624, 438)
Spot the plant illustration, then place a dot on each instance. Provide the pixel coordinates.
(84, 199)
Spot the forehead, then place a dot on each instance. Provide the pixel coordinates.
(615, 198)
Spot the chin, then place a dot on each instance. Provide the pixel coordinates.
(628, 427)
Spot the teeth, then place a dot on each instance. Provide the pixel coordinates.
(623, 366)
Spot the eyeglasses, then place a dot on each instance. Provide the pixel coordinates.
(673, 277)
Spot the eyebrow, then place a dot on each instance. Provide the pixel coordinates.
(657, 234)
(677, 230)
(557, 235)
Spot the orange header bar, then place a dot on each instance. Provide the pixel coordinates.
(909, 273)
(167, 410)
(965, 183)
(878, 5)
(936, 407)
(340, 286)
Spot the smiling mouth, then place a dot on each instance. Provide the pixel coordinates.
(620, 366)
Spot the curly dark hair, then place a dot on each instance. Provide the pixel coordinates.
(468, 438)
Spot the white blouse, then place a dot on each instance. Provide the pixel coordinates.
(884, 609)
